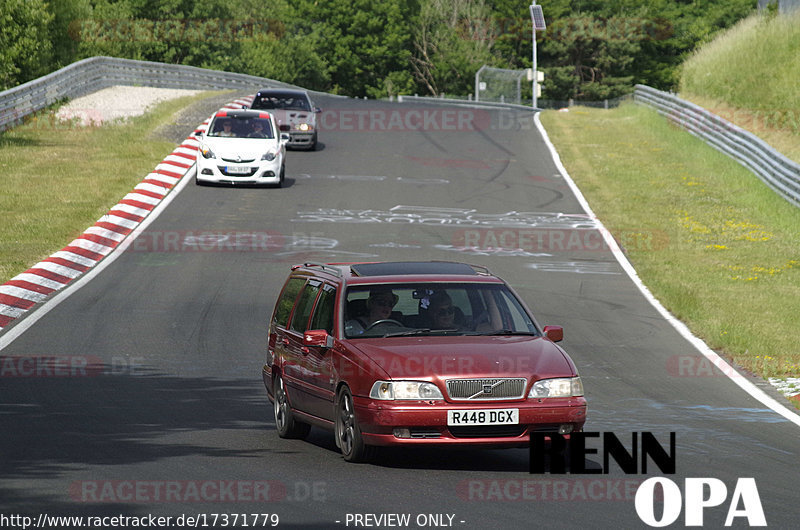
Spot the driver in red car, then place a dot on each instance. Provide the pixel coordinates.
(380, 303)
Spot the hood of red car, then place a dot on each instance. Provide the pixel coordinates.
(428, 358)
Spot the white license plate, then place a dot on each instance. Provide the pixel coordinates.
(237, 170)
(483, 417)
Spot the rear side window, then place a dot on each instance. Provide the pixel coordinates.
(286, 302)
(304, 306)
(323, 314)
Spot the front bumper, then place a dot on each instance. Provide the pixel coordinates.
(419, 422)
(217, 171)
(299, 139)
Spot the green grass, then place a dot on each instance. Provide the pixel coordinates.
(58, 178)
(724, 256)
(749, 75)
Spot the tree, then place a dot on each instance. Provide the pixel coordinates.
(291, 59)
(594, 49)
(365, 45)
(68, 15)
(590, 57)
(25, 47)
(452, 40)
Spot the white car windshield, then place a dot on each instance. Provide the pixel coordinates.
(389, 310)
(226, 126)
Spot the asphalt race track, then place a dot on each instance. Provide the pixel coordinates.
(172, 418)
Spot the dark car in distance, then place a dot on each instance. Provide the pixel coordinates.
(415, 353)
(295, 112)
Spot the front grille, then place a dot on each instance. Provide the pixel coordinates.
(239, 160)
(486, 389)
(488, 431)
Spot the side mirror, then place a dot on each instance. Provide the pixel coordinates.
(318, 338)
(199, 134)
(285, 137)
(317, 110)
(554, 333)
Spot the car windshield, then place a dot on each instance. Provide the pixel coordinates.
(230, 127)
(392, 310)
(281, 101)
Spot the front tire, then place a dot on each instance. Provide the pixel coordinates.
(285, 424)
(348, 433)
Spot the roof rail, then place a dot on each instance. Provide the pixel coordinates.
(328, 268)
(480, 269)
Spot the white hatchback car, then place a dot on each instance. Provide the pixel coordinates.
(242, 147)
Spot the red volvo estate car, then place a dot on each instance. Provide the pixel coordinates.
(405, 353)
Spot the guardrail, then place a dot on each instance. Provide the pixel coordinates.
(89, 75)
(777, 171)
(542, 103)
(464, 102)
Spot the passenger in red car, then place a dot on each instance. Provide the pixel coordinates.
(442, 312)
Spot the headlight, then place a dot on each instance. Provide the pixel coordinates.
(269, 157)
(206, 152)
(404, 390)
(303, 126)
(562, 387)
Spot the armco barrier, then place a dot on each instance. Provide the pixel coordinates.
(777, 171)
(463, 102)
(93, 74)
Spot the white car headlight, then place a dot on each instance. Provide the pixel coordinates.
(393, 390)
(269, 157)
(561, 387)
(303, 126)
(207, 152)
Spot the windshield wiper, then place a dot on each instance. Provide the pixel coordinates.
(509, 332)
(420, 331)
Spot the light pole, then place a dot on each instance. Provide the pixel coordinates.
(537, 18)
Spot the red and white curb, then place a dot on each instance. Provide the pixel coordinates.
(40, 282)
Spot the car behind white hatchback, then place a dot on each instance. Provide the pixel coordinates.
(242, 147)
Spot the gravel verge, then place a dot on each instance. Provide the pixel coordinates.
(117, 103)
(122, 102)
